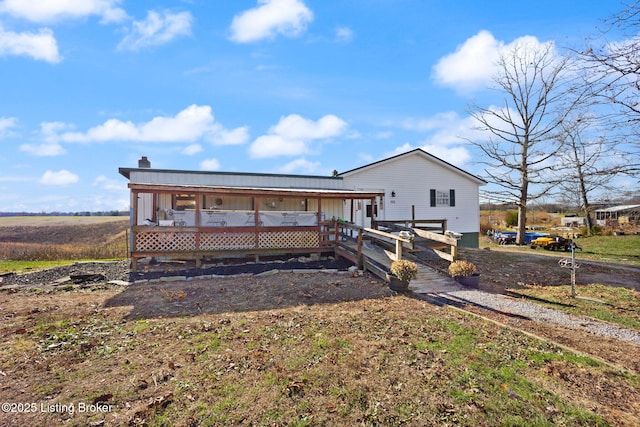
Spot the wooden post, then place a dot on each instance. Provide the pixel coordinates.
(413, 216)
(197, 213)
(374, 225)
(319, 216)
(256, 220)
(351, 217)
(398, 250)
(360, 260)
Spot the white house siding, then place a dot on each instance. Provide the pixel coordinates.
(411, 177)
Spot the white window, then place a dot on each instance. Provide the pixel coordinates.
(439, 198)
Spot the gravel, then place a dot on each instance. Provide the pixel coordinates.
(514, 307)
(120, 270)
(114, 270)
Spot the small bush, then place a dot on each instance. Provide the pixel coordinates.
(511, 219)
(404, 270)
(462, 268)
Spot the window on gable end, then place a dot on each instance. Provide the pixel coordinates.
(441, 198)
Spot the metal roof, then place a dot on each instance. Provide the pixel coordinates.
(257, 191)
(618, 208)
(126, 172)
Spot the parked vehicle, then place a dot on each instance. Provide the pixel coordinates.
(509, 237)
(552, 243)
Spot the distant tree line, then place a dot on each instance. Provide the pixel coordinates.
(83, 213)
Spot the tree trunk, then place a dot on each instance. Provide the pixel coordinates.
(522, 224)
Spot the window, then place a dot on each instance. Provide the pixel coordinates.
(184, 201)
(375, 210)
(439, 198)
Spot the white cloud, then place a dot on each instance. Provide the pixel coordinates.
(344, 34)
(192, 149)
(294, 134)
(58, 10)
(48, 149)
(269, 18)
(295, 126)
(63, 177)
(41, 46)
(235, 136)
(157, 29)
(210, 164)
(111, 185)
(474, 64)
(275, 145)
(6, 124)
(446, 128)
(458, 155)
(194, 123)
(300, 166)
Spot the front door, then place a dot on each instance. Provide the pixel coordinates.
(369, 211)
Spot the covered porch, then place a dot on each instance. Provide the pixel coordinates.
(198, 222)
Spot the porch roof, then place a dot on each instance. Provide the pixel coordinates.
(256, 191)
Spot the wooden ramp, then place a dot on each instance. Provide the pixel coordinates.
(378, 261)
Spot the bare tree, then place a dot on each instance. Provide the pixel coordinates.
(612, 71)
(523, 132)
(586, 164)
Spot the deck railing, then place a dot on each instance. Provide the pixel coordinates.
(342, 238)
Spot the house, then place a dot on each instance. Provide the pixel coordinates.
(418, 185)
(573, 221)
(618, 215)
(197, 214)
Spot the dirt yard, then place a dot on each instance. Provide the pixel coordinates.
(137, 348)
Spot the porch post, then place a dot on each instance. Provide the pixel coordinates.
(374, 224)
(256, 219)
(319, 228)
(133, 221)
(198, 258)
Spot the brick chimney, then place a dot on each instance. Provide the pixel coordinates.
(144, 163)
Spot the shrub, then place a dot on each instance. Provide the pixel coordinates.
(511, 219)
(404, 270)
(462, 268)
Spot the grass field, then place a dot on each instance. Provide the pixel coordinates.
(616, 249)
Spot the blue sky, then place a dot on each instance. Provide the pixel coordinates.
(276, 86)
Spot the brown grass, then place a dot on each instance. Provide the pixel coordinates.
(387, 361)
(63, 238)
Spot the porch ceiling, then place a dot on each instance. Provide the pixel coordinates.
(256, 191)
